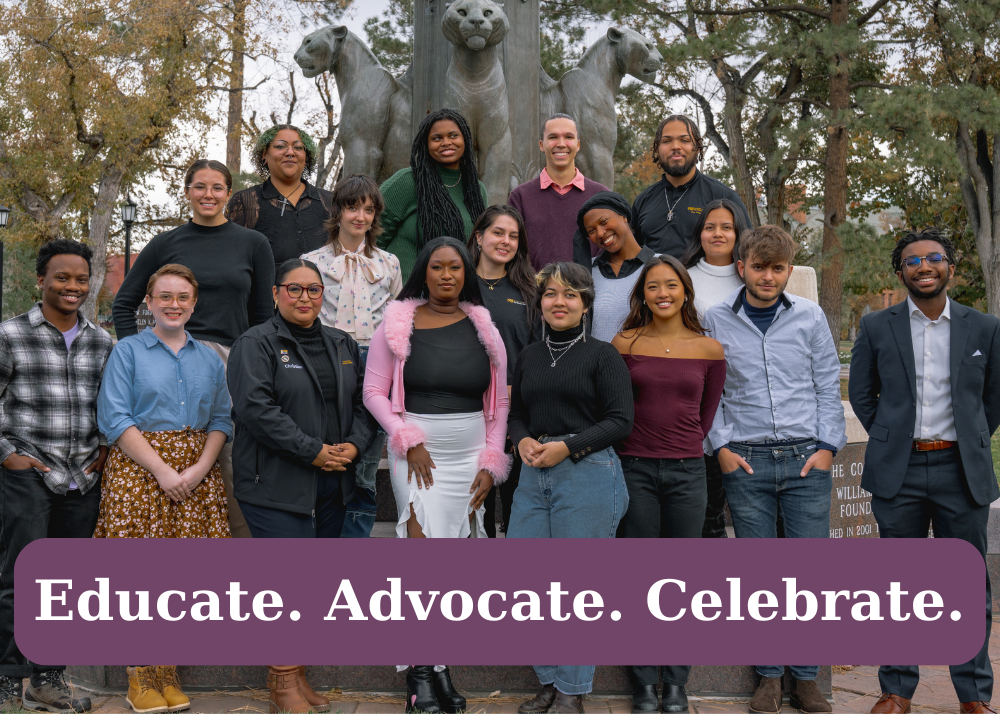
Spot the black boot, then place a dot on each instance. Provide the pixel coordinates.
(420, 690)
(448, 699)
(675, 699)
(644, 698)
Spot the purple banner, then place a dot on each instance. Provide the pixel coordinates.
(500, 602)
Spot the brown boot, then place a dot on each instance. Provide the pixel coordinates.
(807, 698)
(567, 704)
(286, 694)
(767, 698)
(891, 704)
(540, 702)
(318, 701)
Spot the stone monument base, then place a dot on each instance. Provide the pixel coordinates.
(705, 681)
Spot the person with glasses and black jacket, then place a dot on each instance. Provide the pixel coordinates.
(301, 427)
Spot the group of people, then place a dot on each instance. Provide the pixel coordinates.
(623, 373)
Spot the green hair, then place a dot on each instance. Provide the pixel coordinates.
(264, 141)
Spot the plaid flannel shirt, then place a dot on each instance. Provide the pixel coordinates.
(48, 396)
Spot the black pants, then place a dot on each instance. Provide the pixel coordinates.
(29, 511)
(934, 491)
(666, 499)
(326, 522)
(506, 492)
(715, 511)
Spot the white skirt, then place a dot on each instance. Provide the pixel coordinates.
(454, 442)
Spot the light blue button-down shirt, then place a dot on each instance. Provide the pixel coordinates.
(149, 387)
(782, 385)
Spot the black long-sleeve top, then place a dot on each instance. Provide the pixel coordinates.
(234, 269)
(588, 393)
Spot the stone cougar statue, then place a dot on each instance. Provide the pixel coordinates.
(477, 88)
(587, 93)
(375, 106)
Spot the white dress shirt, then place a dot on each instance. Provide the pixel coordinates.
(932, 362)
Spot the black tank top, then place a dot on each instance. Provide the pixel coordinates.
(447, 371)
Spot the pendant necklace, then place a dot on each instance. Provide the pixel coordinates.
(670, 209)
(665, 348)
(495, 282)
(556, 353)
(284, 199)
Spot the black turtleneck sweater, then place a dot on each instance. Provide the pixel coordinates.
(587, 393)
(313, 348)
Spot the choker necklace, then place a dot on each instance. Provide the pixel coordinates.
(557, 352)
(284, 199)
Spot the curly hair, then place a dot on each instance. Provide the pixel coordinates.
(437, 214)
(933, 234)
(61, 246)
(693, 130)
(263, 142)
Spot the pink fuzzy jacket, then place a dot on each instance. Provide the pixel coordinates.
(383, 394)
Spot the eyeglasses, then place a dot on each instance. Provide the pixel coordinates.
(200, 189)
(282, 146)
(167, 299)
(294, 290)
(932, 259)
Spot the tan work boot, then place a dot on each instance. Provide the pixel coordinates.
(170, 688)
(143, 691)
(286, 694)
(318, 701)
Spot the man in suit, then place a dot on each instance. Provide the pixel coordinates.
(925, 383)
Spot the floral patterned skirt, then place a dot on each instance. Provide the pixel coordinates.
(134, 506)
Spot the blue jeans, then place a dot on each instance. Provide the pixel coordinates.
(360, 517)
(582, 500)
(755, 499)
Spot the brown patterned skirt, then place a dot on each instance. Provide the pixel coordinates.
(134, 506)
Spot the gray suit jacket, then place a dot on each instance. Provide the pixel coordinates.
(883, 394)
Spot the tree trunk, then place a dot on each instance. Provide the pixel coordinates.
(234, 124)
(732, 116)
(100, 225)
(831, 287)
(976, 185)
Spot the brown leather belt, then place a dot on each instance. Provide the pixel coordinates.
(933, 445)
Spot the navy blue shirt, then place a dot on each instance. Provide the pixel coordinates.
(761, 317)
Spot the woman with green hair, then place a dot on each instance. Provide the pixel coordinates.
(284, 207)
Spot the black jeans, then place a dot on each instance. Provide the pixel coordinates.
(667, 499)
(326, 521)
(715, 512)
(506, 491)
(29, 511)
(934, 491)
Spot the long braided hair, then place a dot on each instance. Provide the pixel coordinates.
(437, 214)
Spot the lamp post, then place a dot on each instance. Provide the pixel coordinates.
(128, 218)
(4, 217)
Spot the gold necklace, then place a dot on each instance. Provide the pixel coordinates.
(452, 185)
(665, 348)
(495, 282)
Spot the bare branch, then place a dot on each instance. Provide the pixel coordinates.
(871, 13)
(772, 9)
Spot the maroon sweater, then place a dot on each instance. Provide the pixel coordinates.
(550, 218)
(675, 402)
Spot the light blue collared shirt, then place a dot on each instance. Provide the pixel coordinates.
(782, 385)
(149, 387)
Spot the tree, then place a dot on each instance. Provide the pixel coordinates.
(390, 36)
(95, 91)
(949, 115)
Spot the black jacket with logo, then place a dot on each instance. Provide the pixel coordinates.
(280, 417)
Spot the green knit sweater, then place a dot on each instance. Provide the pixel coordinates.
(399, 220)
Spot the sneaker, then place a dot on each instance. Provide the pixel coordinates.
(48, 692)
(10, 694)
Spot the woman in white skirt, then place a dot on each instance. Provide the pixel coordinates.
(436, 380)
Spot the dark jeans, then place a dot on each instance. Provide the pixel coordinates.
(29, 511)
(506, 492)
(327, 521)
(666, 499)
(715, 512)
(934, 491)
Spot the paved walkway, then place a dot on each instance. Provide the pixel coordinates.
(855, 690)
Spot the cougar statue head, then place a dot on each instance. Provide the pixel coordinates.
(635, 54)
(477, 24)
(319, 50)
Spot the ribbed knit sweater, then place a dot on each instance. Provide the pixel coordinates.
(550, 218)
(399, 220)
(712, 283)
(588, 393)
